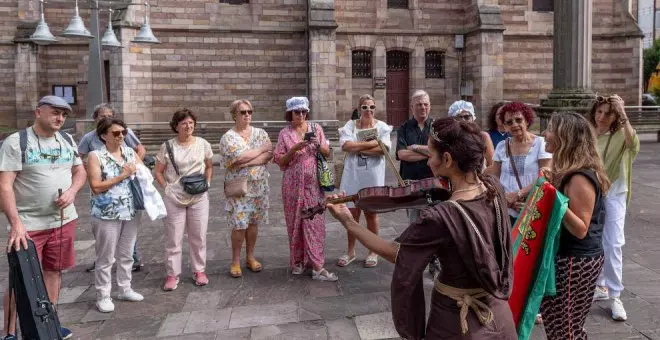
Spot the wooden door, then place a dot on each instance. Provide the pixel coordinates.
(398, 87)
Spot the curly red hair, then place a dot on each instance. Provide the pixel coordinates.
(513, 107)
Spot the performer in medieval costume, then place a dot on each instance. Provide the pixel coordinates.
(470, 295)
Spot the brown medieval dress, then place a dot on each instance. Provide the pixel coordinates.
(470, 258)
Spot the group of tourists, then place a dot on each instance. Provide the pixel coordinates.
(490, 174)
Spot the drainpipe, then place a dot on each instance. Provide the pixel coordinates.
(308, 45)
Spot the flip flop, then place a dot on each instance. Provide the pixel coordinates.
(371, 261)
(345, 260)
(253, 265)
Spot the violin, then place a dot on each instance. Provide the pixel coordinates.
(414, 194)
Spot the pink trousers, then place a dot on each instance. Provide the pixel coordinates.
(194, 219)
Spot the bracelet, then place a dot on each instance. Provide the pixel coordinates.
(519, 194)
(623, 121)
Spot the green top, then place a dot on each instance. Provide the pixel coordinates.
(619, 157)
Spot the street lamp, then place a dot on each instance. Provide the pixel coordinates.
(76, 29)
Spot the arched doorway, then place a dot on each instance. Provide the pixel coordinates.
(398, 87)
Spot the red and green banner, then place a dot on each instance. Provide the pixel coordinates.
(536, 234)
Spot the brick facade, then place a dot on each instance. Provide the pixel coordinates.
(212, 53)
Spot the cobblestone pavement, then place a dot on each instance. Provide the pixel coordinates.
(274, 304)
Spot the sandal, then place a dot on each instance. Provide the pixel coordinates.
(371, 261)
(345, 260)
(297, 269)
(539, 319)
(253, 265)
(235, 270)
(324, 275)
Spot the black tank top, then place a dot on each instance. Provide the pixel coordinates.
(591, 245)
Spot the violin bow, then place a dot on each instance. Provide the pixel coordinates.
(390, 162)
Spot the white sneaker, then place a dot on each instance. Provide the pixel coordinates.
(130, 295)
(105, 305)
(601, 294)
(618, 312)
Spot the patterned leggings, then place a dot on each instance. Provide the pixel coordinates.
(564, 314)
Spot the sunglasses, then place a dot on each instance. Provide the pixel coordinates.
(245, 112)
(119, 133)
(368, 107)
(610, 99)
(517, 120)
(463, 117)
(300, 112)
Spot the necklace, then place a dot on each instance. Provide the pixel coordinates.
(476, 186)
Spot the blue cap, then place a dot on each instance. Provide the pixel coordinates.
(56, 102)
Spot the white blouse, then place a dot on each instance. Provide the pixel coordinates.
(527, 166)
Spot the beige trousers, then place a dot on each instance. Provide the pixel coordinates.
(194, 219)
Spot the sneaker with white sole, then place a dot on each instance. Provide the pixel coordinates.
(105, 305)
(618, 312)
(601, 294)
(130, 295)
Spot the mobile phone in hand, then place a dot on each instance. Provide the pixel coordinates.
(309, 136)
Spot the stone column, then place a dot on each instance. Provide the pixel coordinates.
(27, 86)
(322, 59)
(571, 64)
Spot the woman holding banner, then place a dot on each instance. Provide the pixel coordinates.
(578, 173)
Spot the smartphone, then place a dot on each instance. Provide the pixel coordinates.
(309, 135)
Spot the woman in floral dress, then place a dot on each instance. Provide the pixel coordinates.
(245, 151)
(296, 156)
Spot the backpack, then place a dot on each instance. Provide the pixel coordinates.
(23, 139)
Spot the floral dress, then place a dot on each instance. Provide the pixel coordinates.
(117, 202)
(253, 207)
(300, 189)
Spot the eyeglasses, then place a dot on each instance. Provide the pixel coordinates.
(119, 133)
(603, 99)
(368, 107)
(300, 112)
(517, 120)
(245, 112)
(467, 117)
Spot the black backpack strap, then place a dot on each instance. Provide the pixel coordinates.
(22, 141)
(68, 139)
(171, 154)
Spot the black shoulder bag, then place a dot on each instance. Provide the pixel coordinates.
(192, 184)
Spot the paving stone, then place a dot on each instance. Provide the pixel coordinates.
(73, 312)
(201, 321)
(202, 300)
(376, 326)
(131, 328)
(233, 334)
(94, 315)
(71, 294)
(259, 315)
(291, 331)
(174, 324)
(342, 329)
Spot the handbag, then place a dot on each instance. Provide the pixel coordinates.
(325, 176)
(191, 184)
(136, 191)
(236, 187)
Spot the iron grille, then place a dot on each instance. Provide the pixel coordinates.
(361, 64)
(397, 61)
(543, 5)
(435, 64)
(397, 4)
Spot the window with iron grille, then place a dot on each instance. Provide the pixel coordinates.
(361, 64)
(435, 64)
(543, 5)
(397, 4)
(398, 61)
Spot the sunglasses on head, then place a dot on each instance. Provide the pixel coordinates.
(300, 112)
(245, 112)
(119, 133)
(609, 99)
(518, 121)
(368, 107)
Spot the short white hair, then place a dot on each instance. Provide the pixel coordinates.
(418, 95)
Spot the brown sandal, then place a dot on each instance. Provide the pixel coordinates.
(253, 265)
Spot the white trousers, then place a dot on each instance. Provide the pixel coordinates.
(115, 239)
(613, 240)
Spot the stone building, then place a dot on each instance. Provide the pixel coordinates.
(213, 52)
